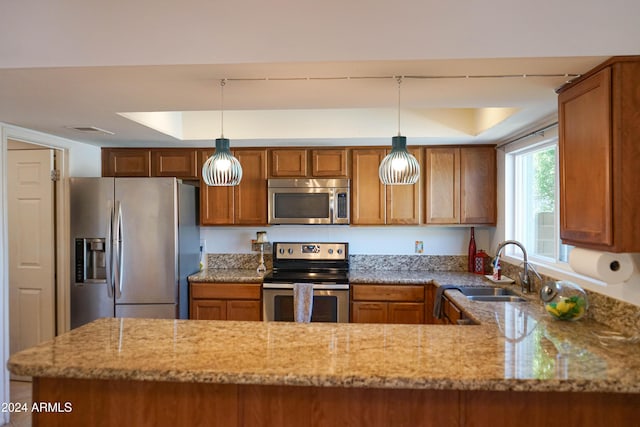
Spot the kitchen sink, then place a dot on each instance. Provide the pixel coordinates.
(491, 294)
(496, 298)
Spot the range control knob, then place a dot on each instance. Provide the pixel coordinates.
(281, 251)
(340, 251)
(330, 251)
(290, 251)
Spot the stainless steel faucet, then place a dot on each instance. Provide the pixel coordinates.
(525, 280)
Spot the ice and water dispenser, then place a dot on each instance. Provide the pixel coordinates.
(91, 261)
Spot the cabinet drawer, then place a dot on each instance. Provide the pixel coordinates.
(226, 291)
(387, 293)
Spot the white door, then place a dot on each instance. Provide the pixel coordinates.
(31, 247)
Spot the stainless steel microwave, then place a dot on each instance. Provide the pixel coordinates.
(308, 201)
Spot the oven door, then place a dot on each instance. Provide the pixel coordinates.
(300, 205)
(330, 302)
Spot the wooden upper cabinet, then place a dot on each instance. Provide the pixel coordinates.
(442, 185)
(288, 163)
(178, 162)
(368, 197)
(250, 196)
(330, 163)
(244, 204)
(374, 203)
(478, 185)
(460, 185)
(308, 163)
(404, 201)
(126, 162)
(216, 203)
(599, 155)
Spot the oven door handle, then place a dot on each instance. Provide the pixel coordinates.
(318, 286)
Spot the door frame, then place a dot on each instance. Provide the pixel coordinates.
(62, 241)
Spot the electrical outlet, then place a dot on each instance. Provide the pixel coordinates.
(419, 248)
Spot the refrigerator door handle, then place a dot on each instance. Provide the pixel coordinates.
(118, 250)
(109, 254)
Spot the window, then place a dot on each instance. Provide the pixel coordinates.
(535, 202)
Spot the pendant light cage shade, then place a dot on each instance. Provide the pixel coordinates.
(222, 168)
(399, 167)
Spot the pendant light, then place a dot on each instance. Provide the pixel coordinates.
(399, 167)
(222, 169)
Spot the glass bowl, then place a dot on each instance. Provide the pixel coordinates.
(564, 300)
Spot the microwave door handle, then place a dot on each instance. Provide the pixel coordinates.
(332, 206)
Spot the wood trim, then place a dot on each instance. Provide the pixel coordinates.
(151, 403)
(236, 291)
(406, 293)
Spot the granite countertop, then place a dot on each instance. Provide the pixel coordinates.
(227, 275)
(517, 346)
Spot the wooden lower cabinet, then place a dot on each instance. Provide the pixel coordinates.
(225, 301)
(156, 403)
(398, 304)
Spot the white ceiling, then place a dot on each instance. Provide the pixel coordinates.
(66, 63)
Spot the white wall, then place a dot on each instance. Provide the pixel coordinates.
(390, 240)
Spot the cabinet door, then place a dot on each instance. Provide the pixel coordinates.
(478, 185)
(368, 194)
(126, 162)
(330, 163)
(178, 162)
(250, 196)
(442, 185)
(405, 313)
(404, 201)
(451, 311)
(585, 150)
(243, 310)
(288, 163)
(216, 203)
(368, 312)
(429, 302)
(208, 310)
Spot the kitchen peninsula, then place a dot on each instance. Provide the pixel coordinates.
(517, 364)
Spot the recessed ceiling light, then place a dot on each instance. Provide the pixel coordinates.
(90, 129)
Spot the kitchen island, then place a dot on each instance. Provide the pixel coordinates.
(518, 367)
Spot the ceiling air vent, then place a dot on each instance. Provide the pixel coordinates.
(90, 129)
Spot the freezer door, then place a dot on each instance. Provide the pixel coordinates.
(147, 255)
(91, 203)
(147, 311)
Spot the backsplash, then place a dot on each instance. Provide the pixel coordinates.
(618, 315)
(408, 262)
(237, 261)
(356, 262)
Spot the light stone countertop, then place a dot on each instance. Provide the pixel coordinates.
(516, 347)
(227, 275)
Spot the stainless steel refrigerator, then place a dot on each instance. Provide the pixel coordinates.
(134, 243)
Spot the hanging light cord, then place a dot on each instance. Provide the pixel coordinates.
(399, 80)
(222, 83)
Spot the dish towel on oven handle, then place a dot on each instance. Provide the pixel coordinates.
(302, 301)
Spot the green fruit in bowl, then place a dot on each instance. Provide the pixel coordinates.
(564, 300)
(571, 308)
